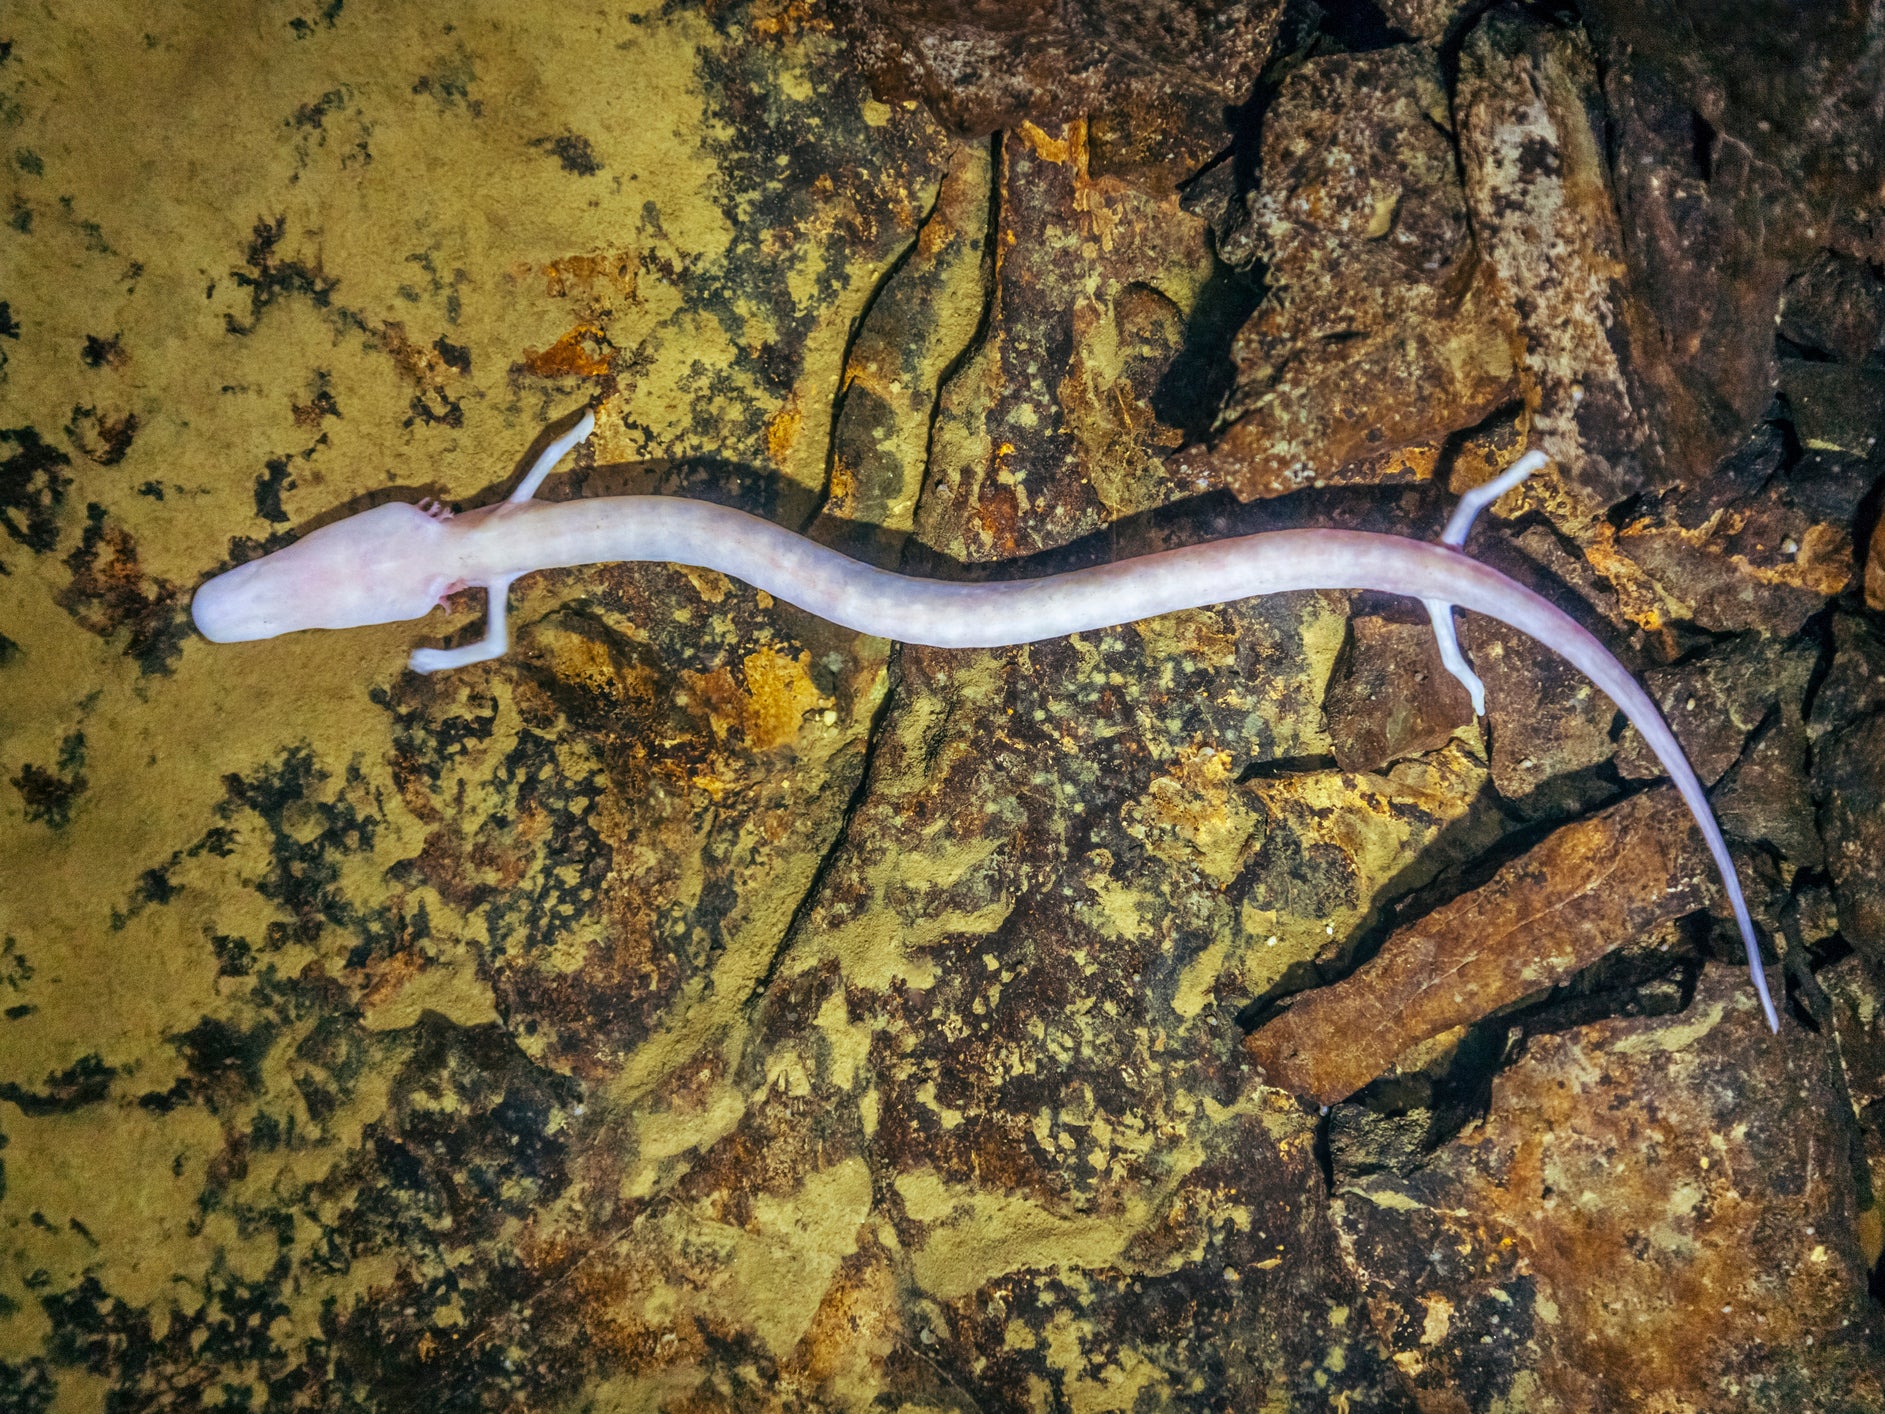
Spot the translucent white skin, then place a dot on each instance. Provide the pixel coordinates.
(397, 561)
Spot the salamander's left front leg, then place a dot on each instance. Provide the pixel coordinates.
(495, 643)
(1457, 527)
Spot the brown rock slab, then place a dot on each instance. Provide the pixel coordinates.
(1836, 305)
(981, 65)
(1383, 330)
(1767, 798)
(1854, 686)
(1762, 561)
(1546, 720)
(1655, 1213)
(1587, 888)
(1390, 695)
(1713, 703)
(1807, 101)
(1705, 281)
(1545, 217)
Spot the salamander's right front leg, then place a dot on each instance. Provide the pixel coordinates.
(495, 643)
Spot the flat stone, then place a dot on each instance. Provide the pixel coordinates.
(1546, 219)
(1705, 283)
(1836, 306)
(1547, 722)
(1391, 696)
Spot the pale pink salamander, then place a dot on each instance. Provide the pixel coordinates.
(398, 561)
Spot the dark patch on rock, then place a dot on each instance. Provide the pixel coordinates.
(86, 1081)
(269, 487)
(103, 438)
(268, 275)
(456, 356)
(575, 154)
(104, 352)
(48, 795)
(33, 484)
(224, 1061)
(109, 593)
(27, 1387)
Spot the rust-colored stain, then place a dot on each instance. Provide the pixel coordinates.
(583, 352)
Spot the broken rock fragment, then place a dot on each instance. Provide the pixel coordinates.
(1586, 889)
(1530, 110)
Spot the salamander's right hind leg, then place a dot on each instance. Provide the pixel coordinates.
(1458, 525)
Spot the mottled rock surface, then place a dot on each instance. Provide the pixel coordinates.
(1530, 111)
(1158, 72)
(702, 1008)
(1383, 330)
(1591, 1242)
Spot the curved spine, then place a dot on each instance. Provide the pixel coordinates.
(514, 538)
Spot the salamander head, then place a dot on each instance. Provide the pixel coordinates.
(378, 567)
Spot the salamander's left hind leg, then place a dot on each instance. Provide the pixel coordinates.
(1457, 527)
